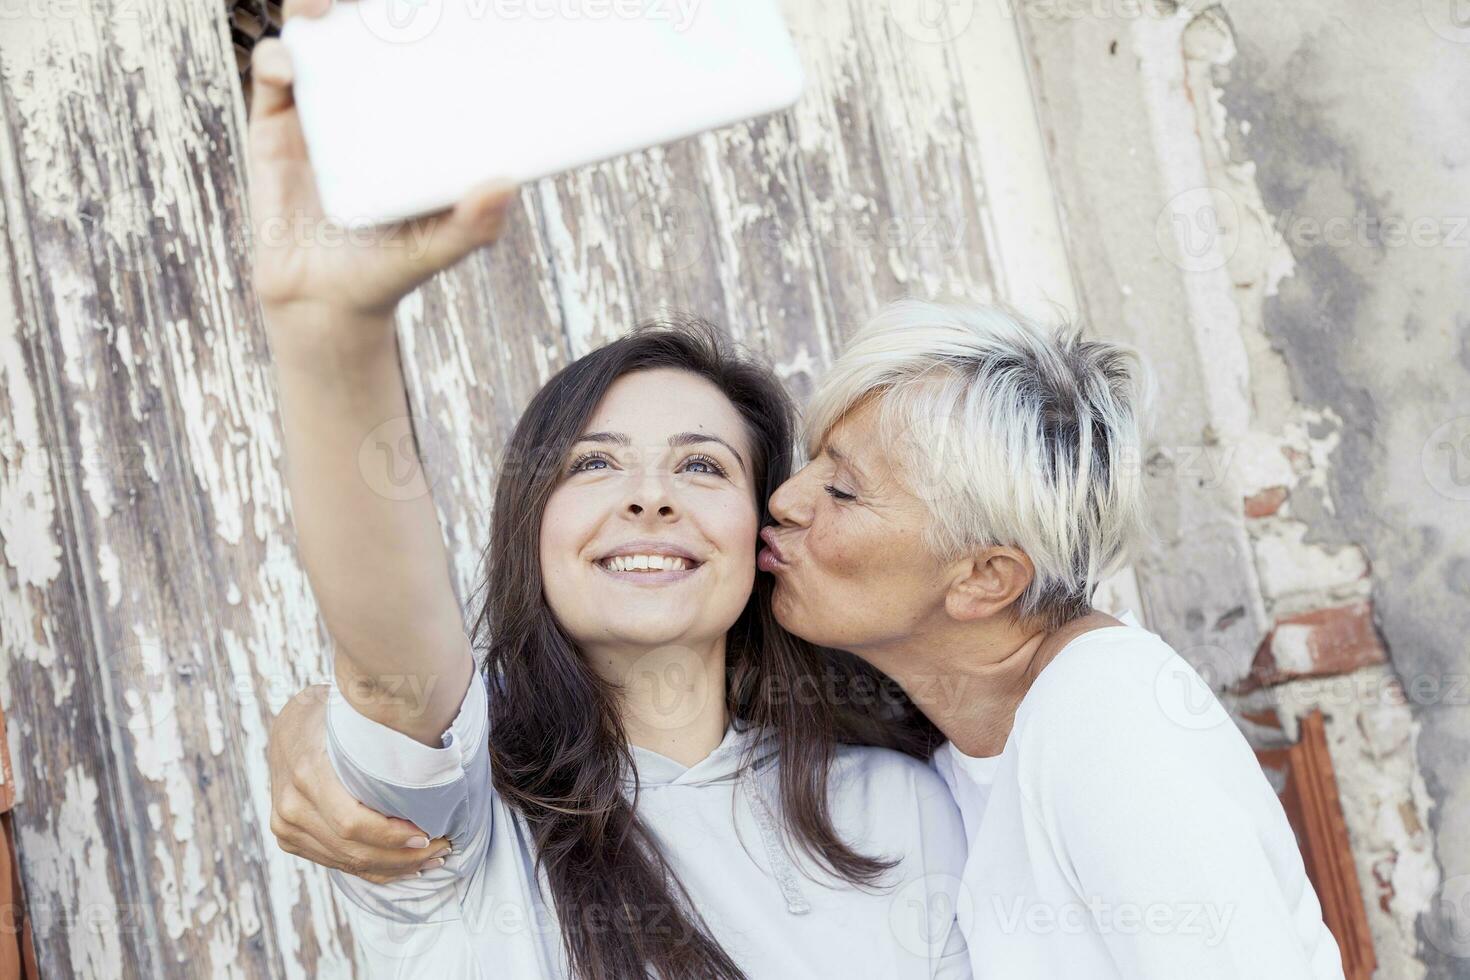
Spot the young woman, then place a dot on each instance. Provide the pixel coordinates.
(643, 777)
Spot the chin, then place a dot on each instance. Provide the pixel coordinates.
(647, 635)
(787, 613)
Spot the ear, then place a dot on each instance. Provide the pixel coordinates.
(987, 583)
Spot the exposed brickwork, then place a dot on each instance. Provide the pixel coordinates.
(1317, 644)
(1265, 503)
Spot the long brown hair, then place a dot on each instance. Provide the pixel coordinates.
(558, 752)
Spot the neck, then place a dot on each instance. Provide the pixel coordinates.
(969, 678)
(673, 695)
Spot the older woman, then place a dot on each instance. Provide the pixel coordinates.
(972, 477)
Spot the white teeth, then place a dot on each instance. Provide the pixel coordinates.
(652, 563)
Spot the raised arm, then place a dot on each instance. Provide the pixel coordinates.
(373, 552)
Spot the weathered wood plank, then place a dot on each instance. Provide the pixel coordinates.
(894, 198)
(71, 858)
(170, 617)
(152, 609)
(476, 343)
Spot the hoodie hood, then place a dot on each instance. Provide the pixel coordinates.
(721, 765)
(727, 764)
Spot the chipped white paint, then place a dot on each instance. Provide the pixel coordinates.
(1289, 565)
(1370, 728)
(1262, 463)
(129, 325)
(1372, 736)
(27, 509)
(175, 620)
(1291, 646)
(1166, 76)
(90, 922)
(1010, 160)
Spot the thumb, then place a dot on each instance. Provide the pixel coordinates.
(476, 220)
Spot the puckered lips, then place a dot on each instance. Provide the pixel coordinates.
(771, 557)
(648, 561)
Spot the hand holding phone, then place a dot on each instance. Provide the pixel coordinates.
(306, 261)
(407, 104)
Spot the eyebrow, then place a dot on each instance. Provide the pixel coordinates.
(675, 441)
(841, 458)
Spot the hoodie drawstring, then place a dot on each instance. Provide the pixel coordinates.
(781, 864)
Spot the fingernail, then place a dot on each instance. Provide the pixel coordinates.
(417, 842)
(432, 864)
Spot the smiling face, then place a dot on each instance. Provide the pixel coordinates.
(852, 570)
(649, 540)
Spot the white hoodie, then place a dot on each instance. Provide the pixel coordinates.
(486, 914)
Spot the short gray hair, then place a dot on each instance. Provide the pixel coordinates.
(1013, 434)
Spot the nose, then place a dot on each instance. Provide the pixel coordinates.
(651, 494)
(790, 505)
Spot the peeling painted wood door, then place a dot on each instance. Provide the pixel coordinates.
(152, 613)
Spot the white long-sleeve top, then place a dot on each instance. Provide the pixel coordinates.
(486, 913)
(1126, 830)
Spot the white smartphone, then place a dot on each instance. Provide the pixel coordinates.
(406, 104)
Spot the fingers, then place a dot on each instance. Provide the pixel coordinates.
(376, 864)
(302, 830)
(272, 74)
(476, 220)
(364, 825)
(485, 202)
(306, 8)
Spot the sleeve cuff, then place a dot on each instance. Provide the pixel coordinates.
(387, 755)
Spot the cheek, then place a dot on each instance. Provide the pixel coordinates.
(565, 529)
(837, 547)
(731, 525)
(557, 527)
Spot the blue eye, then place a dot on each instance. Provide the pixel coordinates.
(710, 466)
(583, 463)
